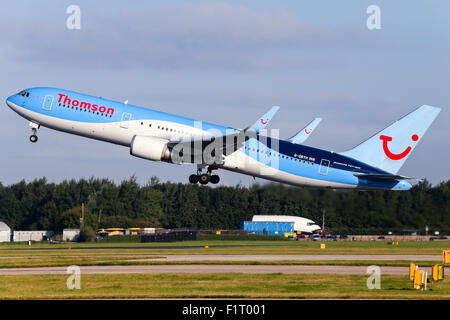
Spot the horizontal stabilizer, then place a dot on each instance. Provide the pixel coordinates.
(382, 177)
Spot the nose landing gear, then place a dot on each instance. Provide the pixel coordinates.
(204, 178)
(34, 127)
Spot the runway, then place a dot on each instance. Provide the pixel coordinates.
(296, 257)
(153, 269)
(238, 268)
(216, 267)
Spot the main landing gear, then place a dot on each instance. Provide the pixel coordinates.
(204, 178)
(34, 127)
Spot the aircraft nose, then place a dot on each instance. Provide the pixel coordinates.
(9, 102)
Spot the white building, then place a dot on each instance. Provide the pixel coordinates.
(71, 234)
(5, 232)
(300, 224)
(41, 235)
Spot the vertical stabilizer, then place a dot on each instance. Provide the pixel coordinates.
(389, 148)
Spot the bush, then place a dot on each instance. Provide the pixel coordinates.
(118, 239)
(87, 234)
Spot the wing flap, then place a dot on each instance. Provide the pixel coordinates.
(215, 147)
(381, 177)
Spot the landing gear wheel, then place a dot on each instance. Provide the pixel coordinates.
(193, 178)
(34, 128)
(214, 179)
(204, 179)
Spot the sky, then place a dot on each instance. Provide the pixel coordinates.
(225, 62)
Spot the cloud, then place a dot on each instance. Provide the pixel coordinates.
(200, 35)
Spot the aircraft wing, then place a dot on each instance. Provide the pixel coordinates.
(304, 134)
(215, 147)
(208, 150)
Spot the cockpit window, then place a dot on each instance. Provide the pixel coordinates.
(24, 94)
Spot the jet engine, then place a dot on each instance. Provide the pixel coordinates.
(150, 148)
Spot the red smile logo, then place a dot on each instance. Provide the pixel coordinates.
(394, 156)
(262, 121)
(308, 132)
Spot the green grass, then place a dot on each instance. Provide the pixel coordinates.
(38, 256)
(226, 285)
(58, 261)
(236, 247)
(215, 286)
(37, 262)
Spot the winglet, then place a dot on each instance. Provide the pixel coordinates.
(304, 134)
(263, 121)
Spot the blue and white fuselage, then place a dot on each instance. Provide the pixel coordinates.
(149, 132)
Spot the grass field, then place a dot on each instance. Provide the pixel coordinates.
(124, 261)
(226, 285)
(231, 247)
(215, 286)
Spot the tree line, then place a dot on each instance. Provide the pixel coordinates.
(41, 205)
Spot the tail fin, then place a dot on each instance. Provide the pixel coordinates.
(389, 148)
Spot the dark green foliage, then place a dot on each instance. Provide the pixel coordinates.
(42, 205)
(71, 218)
(122, 239)
(87, 234)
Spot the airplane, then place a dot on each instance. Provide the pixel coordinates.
(160, 136)
(303, 225)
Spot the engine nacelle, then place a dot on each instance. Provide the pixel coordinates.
(150, 148)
